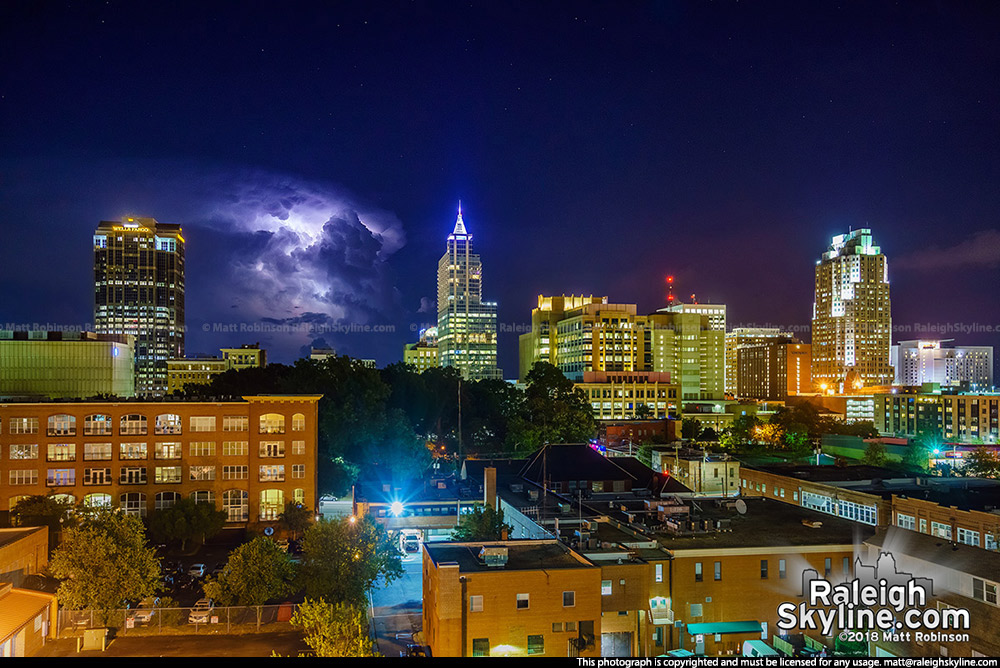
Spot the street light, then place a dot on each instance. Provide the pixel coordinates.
(396, 508)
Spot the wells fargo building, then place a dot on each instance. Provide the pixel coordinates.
(248, 457)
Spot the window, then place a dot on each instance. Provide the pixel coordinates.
(62, 425)
(298, 471)
(763, 569)
(24, 451)
(906, 521)
(234, 448)
(166, 500)
(168, 474)
(697, 571)
(272, 473)
(235, 472)
(522, 601)
(97, 500)
(536, 645)
(941, 530)
(299, 495)
(203, 496)
(235, 503)
(571, 626)
(132, 475)
(781, 569)
(696, 609)
(557, 627)
(133, 503)
(168, 423)
(605, 587)
(26, 425)
(827, 567)
(235, 423)
(23, 477)
(298, 447)
(170, 450)
(132, 425)
(967, 537)
(97, 425)
(61, 478)
(480, 647)
(598, 485)
(200, 423)
(658, 577)
(97, 452)
(272, 504)
(298, 422)
(475, 604)
(847, 566)
(97, 476)
(984, 590)
(202, 448)
(718, 570)
(201, 472)
(569, 599)
(132, 451)
(272, 449)
(61, 452)
(272, 423)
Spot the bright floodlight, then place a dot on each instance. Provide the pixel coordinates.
(396, 508)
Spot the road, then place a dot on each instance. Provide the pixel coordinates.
(398, 608)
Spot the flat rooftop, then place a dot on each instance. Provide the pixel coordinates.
(767, 523)
(8, 536)
(939, 551)
(521, 556)
(831, 474)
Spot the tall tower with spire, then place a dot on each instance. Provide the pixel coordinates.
(467, 326)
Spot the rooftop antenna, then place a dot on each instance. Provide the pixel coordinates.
(670, 290)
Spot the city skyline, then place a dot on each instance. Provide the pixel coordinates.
(728, 144)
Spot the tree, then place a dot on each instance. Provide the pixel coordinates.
(483, 523)
(104, 562)
(43, 511)
(256, 572)
(916, 457)
(339, 630)
(708, 435)
(769, 434)
(690, 428)
(343, 559)
(186, 520)
(643, 412)
(875, 454)
(555, 411)
(296, 518)
(982, 463)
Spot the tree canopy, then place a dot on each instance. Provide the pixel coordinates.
(104, 562)
(339, 630)
(343, 559)
(186, 520)
(483, 523)
(256, 572)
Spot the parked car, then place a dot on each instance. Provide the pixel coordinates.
(219, 567)
(415, 650)
(411, 543)
(196, 570)
(145, 610)
(201, 612)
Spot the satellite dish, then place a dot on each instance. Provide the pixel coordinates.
(268, 531)
(741, 506)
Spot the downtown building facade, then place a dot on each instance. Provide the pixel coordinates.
(139, 290)
(933, 361)
(467, 325)
(423, 354)
(741, 336)
(852, 323)
(774, 370)
(201, 370)
(953, 418)
(66, 365)
(246, 457)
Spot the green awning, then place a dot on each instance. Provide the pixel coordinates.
(712, 628)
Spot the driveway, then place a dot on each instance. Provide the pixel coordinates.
(398, 608)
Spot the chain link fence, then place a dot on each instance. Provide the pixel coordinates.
(181, 620)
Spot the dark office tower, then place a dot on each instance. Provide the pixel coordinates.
(139, 290)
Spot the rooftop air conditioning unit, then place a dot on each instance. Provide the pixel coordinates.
(494, 557)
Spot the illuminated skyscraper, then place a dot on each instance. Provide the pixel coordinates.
(467, 326)
(852, 325)
(139, 290)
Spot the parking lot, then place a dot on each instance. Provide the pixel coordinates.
(397, 609)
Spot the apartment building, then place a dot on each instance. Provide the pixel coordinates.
(247, 457)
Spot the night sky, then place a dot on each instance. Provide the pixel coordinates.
(316, 153)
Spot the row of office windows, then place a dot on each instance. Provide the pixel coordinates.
(67, 452)
(163, 475)
(166, 423)
(944, 530)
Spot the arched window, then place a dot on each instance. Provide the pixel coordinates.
(12, 501)
(299, 495)
(236, 503)
(62, 425)
(203, 496)
(272, 503)
(272, 423)
(65, 498)
(165, 500)
(298, 422)
(168, 423)
(97, 500)
(97, 425)
(133, 503)
(132, 425)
